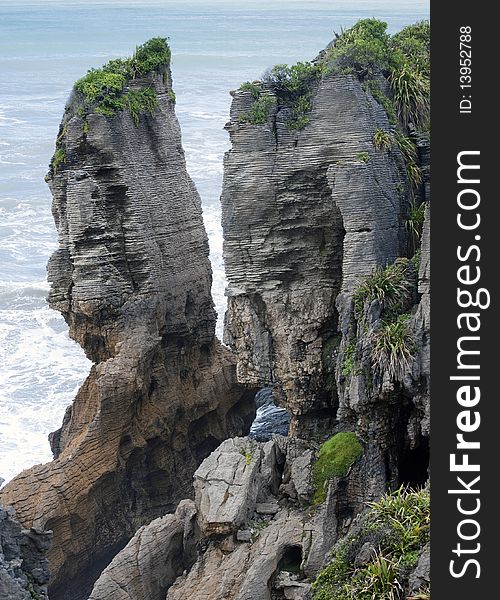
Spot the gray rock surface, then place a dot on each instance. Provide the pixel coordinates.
(226, 486)
(132, 278)
(152, 560)
(304, 218)
(421, 576)
(275, 554)
(24, 568)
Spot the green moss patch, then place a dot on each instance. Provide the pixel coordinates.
(335, 457)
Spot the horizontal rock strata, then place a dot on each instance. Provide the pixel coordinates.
(132, 278)
(305, 215)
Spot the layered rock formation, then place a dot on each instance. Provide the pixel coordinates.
(24, 568)
(253, 531)
(324, 283)
(157, 554)
(305, 215)
(313, 207)
(132, 278)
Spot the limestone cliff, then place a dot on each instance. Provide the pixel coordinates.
(305, 215)
(132, 278)
(325, 188)
(327, 255)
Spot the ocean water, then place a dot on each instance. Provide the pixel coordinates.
(45, 46)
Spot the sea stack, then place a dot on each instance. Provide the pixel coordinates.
(132, 278)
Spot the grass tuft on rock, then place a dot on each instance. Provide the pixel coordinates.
(259, 112)
(396, 528)
(394, 348)
(58, 159)
(391, 286)
(382, 140)
(335, 457)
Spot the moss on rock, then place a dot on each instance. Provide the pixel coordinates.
(335, 457)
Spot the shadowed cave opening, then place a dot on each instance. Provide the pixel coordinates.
(414, 465)
(287, 573)
(291, 560)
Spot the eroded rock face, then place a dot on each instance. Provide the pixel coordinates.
(152, 560)
(132, 278)
(252, 532)
(306, 214)
(249, 514)
(24, 568)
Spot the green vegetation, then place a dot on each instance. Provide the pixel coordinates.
(376, 91)
(415, 222)
(172, 96)
(363, 157)
(391, 286)
(247, 455)
(408, 149)
(293, 80)
(416, 259)
(368, 51)
(349, 359)
(85, 127)
(259, 113)
(382, 140)
(254, 88)
(412, 44)
(335, 457)
(364, 48)
(290, 86)
(58, 159)
(411, 92)
(300, 109)
(141, 101)
(103, 90)
(394, 347)
(397, 528)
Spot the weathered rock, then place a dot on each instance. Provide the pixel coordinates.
(283, 546)
(365, 555)
(292, 588)
(249, 571)
(24, 568)
(132, 278)
(244, 535)
(227, 485)
(296, 481)
(421, 576)
(267, 508)
(152, 560)
(304, 217)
